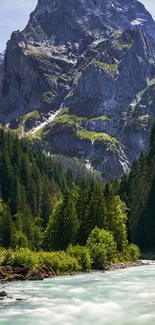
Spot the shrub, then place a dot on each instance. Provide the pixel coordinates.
(2, 254)
(130, 253)
(60, 262)
(133, 252)
(20, 257)
(82, 254)
(19, 240)
(102, 247)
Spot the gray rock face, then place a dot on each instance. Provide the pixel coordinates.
(94, 60)
(1, 57)
(84, 20)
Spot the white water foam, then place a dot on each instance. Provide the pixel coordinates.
(123, 297)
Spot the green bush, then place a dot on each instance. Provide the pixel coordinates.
(20, 257)
(19, 240)
(2, 254)
(82, 254)
(130, 254)
(60, 262)
(133, 252)
(102, 247)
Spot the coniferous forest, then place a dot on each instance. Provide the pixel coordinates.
(84, 222)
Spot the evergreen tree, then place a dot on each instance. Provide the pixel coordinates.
(82, 211)
(63, 227)
(96, 209)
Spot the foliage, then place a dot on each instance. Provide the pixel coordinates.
(102, 247)
(137, 190)
(20, 257)
(82, 254)
(68, 213)
(93, 136)
(110, 68)
(63, 226)
(29, 184)
(133, 252)
(60, 262)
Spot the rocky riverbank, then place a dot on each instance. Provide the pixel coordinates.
(9, 274)
(114, 266)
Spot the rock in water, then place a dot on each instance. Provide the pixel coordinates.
(3, 294)
(34, 275)
(94, 59)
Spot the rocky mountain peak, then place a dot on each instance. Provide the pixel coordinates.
(78, 77)
(61, 22)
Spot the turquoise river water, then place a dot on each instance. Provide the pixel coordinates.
(123, 297)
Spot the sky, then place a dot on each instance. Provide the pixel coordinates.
(14, 15)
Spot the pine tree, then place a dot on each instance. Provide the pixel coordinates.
(82, 211)
(96, 209)
(63, 227)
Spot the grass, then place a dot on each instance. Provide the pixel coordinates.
(123, 46)
(48, 96)
(36, 54)
(152, 82)
(19, 130)
(93, 136)
(117, 33)
(100, 118)
(38, 134)
(22, 120)
(143, 117)
(111, 68)
(77, 77)
(34, 114)
(43, 58)
(64, 119)
(67, 119)
(64, 77)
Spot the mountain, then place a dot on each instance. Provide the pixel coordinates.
(1, 57)
(81, 77)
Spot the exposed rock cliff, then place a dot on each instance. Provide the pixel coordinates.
(81, 77)
(1, 57)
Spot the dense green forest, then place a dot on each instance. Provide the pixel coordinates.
(137, 190)
(44, 206)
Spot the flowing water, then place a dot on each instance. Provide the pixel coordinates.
(124, 297)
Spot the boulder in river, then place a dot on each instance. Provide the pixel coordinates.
(3, 294)
(15, 277)
(34, 275)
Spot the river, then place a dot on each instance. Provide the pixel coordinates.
(123, 297)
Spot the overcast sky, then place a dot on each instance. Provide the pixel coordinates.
(14, 15)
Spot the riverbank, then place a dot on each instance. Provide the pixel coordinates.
(114, 266)
(120, 298)
(23, 273)
(9, 274)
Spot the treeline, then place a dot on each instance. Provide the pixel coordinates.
(30, 185)
(137, 190)
(44, 207)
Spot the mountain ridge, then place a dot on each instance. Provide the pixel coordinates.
(73, 72)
